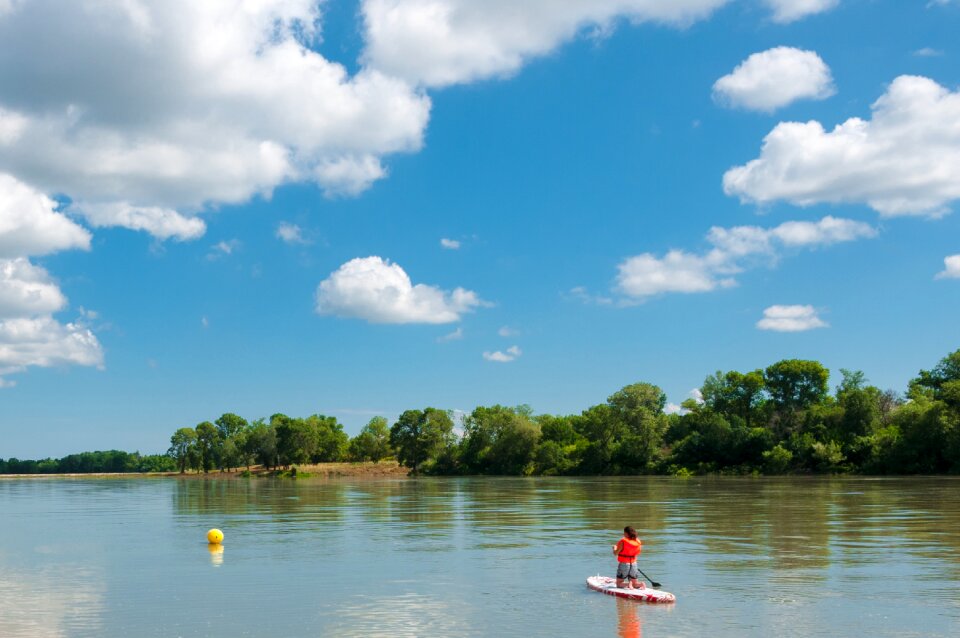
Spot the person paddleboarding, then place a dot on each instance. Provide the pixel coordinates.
(626, 550)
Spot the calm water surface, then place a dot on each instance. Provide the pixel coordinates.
(477, 557)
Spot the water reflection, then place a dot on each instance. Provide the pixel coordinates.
(629, 624)
(216, 554)
(49, 603)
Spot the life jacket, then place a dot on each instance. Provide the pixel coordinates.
(629, 550)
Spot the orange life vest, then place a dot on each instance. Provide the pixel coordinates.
(629, 550)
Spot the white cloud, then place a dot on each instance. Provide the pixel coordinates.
(42, 341)
(785, 11)
(696, 395)
(774, 78)
(204, 322)
(27, 290)
(442, 42)
(791, 319)
(674, 408)
(146, 113)
(449, 244)
(928, 52)
(951, 268)
(349, 175)
(378, 291)
(678, 271)
(456, 335)
(290, 233)
(507, 331)
(733, 250)
(904, 161)
(162, 223)
(503, 357)
(30, 223)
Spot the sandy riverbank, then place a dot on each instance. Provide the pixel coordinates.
(384, 469)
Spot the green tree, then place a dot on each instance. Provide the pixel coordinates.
(230, 425)
(932, 381)
(332, 441)
(499, 440)
(734, 394)
(373, 442)
(602, 430)
(208, 445)
(260, 443)
(420, 436)
(795, 384)
(297, 439)
(183, 447)
(639, 407)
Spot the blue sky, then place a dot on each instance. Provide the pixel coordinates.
(221, 209)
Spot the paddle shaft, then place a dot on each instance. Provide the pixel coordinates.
(652, 582)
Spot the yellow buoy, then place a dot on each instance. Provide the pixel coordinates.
(215, 536)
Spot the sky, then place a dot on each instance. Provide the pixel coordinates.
(355, 208)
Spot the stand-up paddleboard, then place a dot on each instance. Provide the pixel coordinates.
(608, 586)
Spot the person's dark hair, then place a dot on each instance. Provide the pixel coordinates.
(630, 532)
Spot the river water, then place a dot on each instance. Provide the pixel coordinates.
(477, 557)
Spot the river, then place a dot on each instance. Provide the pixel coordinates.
(477, 557)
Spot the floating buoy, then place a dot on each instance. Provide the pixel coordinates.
(215, 537)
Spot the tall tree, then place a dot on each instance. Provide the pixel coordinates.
(734, 393)
(183, 447)
(208, 445)
(297, 439)
(796, 384)
(640, 408)
(373, 442)
(230, 425)
(419, 436)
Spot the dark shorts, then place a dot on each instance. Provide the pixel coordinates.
(627, 570)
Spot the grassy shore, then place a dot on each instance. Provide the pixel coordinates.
(384, 469)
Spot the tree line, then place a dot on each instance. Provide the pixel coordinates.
(110, 461)
(780, 419)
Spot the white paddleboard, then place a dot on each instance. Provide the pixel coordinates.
(607, 585)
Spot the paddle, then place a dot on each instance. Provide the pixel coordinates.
(655, 584)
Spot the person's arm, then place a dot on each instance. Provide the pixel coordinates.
(617, 547)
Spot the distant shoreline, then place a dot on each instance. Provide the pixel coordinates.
(384, 469)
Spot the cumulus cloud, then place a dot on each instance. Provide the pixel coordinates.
(442, 42)
(42, 341)
(30, 223)
(146, 113)
(27, 290)
(733, 250)
(449, 244)
(928, 52)
(772, 79)
(785, 11)
(290, 233)
(503, 357)
(951, 268)
(377, 291)
(791, 319)
(903, 161)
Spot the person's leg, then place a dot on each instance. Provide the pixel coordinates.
(634, 583)
(622, 574)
